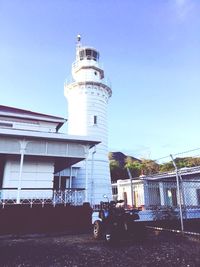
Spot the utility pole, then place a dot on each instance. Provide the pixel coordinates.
(131, 181)
(178, 193)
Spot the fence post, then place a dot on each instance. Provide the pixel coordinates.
(183, 196)
(178, 192)
(132, 193)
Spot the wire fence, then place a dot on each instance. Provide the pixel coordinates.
(173, 195)
(160, 199)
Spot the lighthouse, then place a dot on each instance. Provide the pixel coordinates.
(87, 96)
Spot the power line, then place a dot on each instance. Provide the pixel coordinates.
(186, 151)
(180, 153)
(161, 158)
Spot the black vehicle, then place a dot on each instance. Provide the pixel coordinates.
(115, 222)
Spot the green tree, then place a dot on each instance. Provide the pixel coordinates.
(187, 162)
(166, 167)
(134, 166)
(149, 166)
(116, 171)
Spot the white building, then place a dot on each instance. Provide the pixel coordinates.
(87, 95)
(159, 191)
(32, 151)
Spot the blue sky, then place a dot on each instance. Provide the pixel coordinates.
(150, 50)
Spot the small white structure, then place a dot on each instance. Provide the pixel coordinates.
(87, 95)
(32, 151)
(160, 190)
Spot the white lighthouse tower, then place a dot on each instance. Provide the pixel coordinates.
(87, 97)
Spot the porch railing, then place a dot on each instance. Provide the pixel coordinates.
(42, 196)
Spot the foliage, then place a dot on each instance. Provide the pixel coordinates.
(166, 167)
(149, 167)
(134, 166)
(117, 172)
(187, 162)
(118, 168)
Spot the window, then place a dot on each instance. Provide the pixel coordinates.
(95, 120)
(171, 197)
(5, 124)
(95, 55)
(198, 196)
(60, 183)
(81, 54)
(114, 190)
(88, 53)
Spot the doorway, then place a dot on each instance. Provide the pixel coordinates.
(61, 183)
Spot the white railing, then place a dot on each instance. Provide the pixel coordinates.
(42, 196)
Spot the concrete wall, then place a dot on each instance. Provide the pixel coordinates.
(23, 219)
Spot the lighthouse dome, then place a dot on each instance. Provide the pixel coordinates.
(88, 53)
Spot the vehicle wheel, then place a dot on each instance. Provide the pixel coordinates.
(97, 229)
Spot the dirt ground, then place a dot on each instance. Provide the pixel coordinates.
(83, 250)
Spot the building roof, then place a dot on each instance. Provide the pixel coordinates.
(165, 175)
(13, 112)
(49, 136)
(46, 145)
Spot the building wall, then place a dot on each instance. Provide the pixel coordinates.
(93, 175)
(35, 174)
(135, 198)
(158, 193)
(25, 124)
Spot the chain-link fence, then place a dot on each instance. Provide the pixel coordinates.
(161, 199)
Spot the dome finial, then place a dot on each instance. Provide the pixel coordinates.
(78, 38)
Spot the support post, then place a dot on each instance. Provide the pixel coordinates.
(183, 195)
(23, 144)
(70, 178)
(86, 180)
(130, 177)
(131, 192)
(178, 193)
(86, 172)
(92, 175)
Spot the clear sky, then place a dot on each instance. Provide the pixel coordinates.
(150, 50)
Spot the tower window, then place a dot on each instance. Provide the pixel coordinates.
(95, 55)
(81, 54)
(95, 120)
(88, 54)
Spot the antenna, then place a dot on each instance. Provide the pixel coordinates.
(78, 40)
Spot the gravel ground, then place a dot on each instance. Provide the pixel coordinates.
(82, 250)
